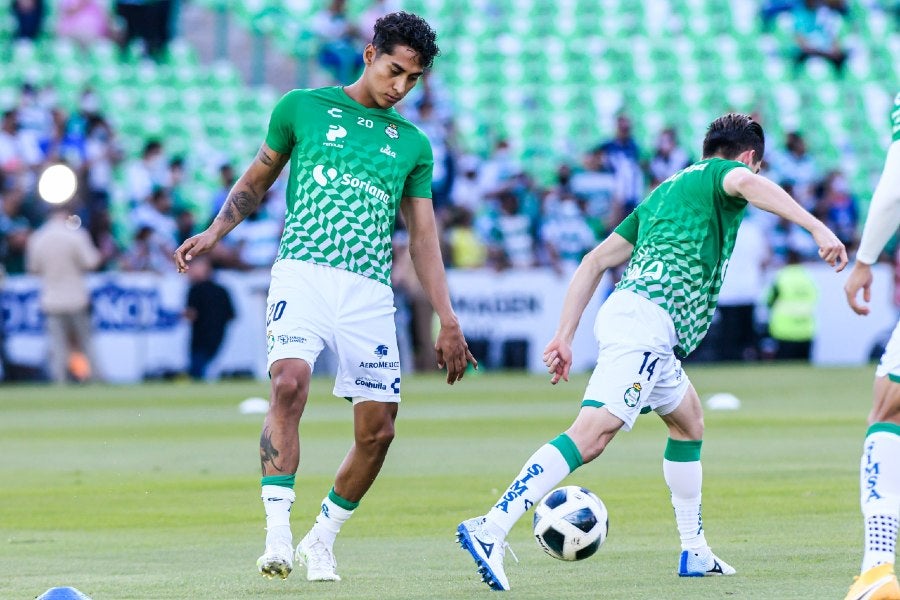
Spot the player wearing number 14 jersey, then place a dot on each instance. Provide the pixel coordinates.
(353, 162)
(678, 241)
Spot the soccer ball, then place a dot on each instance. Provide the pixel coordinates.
(570, 523)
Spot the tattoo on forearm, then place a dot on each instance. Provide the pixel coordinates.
(267, 452)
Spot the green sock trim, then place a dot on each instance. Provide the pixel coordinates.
(883, 426)
(592, 403)
(282, 480)
(343, 503)
(683, 451)
(569, 450)
(894, 378)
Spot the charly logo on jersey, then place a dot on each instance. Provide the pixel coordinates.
(387, 150)
(633, 395)
(392, 131)
(335, 112)
(334, 133)
(323, 176)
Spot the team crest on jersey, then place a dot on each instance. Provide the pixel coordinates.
(270, 341)
(391, 131)
(387, 150)
(633, 395)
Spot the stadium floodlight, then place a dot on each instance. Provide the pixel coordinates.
(57, 184)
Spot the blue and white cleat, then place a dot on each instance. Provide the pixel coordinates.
(702, 563)
(487, 550)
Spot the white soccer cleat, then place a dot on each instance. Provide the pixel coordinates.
(487, 550)
(318, 558)
(702, 563)
(276, 561)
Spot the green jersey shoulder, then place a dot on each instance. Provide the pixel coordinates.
(683, 235)
(349, 168)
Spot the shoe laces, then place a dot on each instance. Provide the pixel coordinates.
(321, 553)
(504, 547)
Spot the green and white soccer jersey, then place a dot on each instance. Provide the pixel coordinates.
(895, 119)
(350, 166)
(683, 235)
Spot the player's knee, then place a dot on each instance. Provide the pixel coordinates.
(376, 440)
(289, 389)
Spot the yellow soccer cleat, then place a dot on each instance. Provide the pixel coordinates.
(878, 583)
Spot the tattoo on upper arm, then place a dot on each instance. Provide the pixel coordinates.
(267, 451)
(264, 158)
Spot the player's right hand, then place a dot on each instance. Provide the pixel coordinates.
(860, 278)
(831, 249)
(194, 246)
(558, 358)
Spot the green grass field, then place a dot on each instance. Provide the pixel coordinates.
(152, 491)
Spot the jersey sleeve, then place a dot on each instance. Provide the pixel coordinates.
(628, 228)
(418, 182)
(895, 119)
(281, 137)
(722, 169)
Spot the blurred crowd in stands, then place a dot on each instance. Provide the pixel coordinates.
(492, 213)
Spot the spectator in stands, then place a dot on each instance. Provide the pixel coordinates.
(143, 175)
(84, 21)
(792, 302)
(156, 213)
(567, 236)
(61, 253)
(147, 253)
(512, 235)
(100, 229)
(15, 229)
(770, 9)
(29, 15)
(794, 166)
(102, 155)
(668, 157)
(463, 248)
(209, 309)
(226, 179)
(837, 207)
(624, 156)
(185, 225)
(495, 173)
(339, 41)
(466, 190)
(817, 30)
(257, 237)
(595, 182)
(439, 133)
(146, 21)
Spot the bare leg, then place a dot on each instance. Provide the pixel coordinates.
(373, 425)
(279, 444)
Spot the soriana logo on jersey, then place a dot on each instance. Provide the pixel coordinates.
(329, 176)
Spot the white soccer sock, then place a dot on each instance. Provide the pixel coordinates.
(329, 521)
(541, 473)
(277, 501)
(685, 480)
(880, 497)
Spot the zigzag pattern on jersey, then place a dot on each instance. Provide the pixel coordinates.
(336, 224)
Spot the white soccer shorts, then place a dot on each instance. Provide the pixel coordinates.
(889, 365)
(311, 306)
(637, 370)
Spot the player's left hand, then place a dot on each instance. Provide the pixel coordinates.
(558, 358)
(453, 352)
(860, 278)
(831, 249)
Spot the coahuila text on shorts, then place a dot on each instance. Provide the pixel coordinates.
(375, 385)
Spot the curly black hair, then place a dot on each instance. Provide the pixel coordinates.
(406, 29)
(731, 134)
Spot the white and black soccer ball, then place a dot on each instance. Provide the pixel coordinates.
(570, 523)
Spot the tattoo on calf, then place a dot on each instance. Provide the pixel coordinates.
(267, 452)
